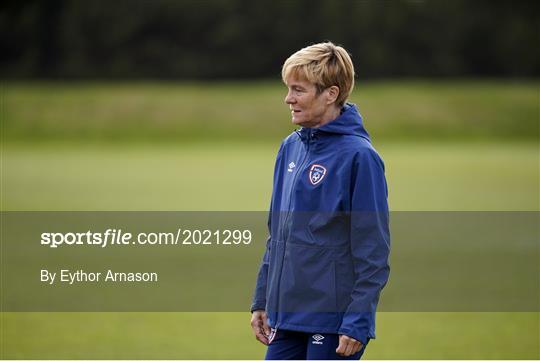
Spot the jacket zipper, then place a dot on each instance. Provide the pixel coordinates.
(293, 187)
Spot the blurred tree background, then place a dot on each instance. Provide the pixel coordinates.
(233, 39)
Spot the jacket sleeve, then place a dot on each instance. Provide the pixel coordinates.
(370, 244)
(259, 297)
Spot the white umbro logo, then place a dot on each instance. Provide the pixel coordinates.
(317, 339)
(291, 167)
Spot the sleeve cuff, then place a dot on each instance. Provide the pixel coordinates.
(360, 336)
(257, 307)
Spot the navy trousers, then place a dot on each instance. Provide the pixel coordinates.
(292, 345)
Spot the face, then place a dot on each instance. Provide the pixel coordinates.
(309, 109)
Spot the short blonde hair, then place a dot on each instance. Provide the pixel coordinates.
(324, 65)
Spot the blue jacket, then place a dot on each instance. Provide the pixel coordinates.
(326, 259)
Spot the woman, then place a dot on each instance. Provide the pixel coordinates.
(326, 259)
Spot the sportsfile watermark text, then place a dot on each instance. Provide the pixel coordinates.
(119, 237)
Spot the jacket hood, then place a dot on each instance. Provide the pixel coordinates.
(349, 122)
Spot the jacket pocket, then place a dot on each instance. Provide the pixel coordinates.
(308, 280)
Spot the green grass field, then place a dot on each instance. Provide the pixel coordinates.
(421, 177)
(228, 336)
(49, 164)
(238, 176)
(253, 111)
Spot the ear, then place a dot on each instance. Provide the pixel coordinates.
(333, 93)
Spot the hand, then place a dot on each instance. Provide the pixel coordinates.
(348, 346)
(259, 324)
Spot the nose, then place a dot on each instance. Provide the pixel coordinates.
(289, 99)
